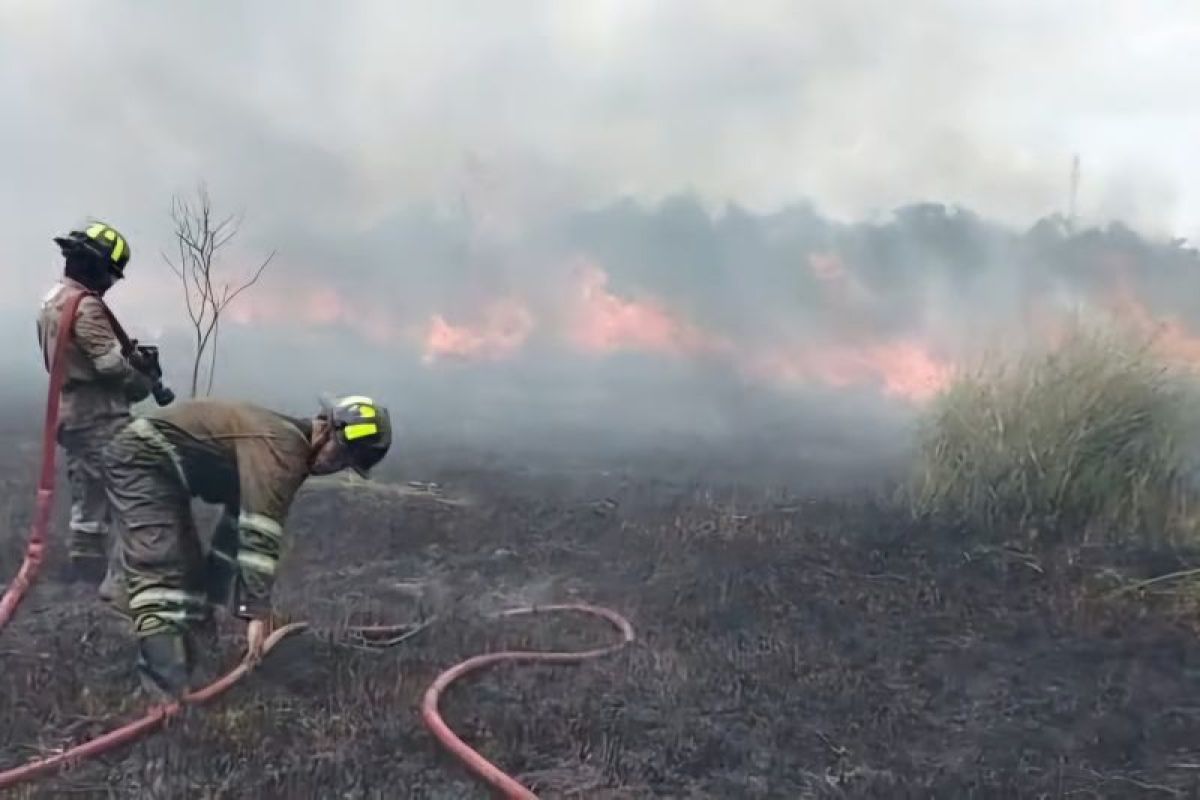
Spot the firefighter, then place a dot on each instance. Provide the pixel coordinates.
(251, 461)
(100, 384)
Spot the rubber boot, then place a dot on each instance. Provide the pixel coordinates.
(204, 649)
(114, 594)
(164, 665)
(219, 574)
(88, 568)
(113, 591)
(88, 552)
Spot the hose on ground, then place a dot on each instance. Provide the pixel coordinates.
(489, 773)
(483, 769)
(150, 722)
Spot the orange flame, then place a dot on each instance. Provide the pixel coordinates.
(604, 322)
(1174, 341)
(315, 305)
(909, 370)
(827, 267)
(905, 369)
(505, 326)
(598, 321)
(1170, 337)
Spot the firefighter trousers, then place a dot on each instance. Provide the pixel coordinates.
(91, 511)
(162, 556)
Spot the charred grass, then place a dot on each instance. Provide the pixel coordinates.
(787, 647)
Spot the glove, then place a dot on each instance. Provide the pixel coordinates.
(256, 636)
(144, 359)
(247, 607)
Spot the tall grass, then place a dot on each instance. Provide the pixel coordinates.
(1084, 438)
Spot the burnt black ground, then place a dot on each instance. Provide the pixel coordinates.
(788, 648)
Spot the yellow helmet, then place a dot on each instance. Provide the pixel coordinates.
(100, 240)
(364, 428)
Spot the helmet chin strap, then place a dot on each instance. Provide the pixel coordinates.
(318, 442)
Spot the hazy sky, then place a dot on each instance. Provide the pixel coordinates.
(324, 121)
(334, 113)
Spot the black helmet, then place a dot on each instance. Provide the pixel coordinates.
(363, 427)
(101, 241)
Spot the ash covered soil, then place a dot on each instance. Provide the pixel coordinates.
(791, 644)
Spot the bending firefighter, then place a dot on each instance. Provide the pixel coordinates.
(100, 383)
(248, 459)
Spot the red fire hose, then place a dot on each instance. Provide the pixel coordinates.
(36, 548)
(488, 772)
(477, 764)
(132, 731)
(157, 716)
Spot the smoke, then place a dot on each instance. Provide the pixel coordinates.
(786, 334)
(641, 220)
(316, 119)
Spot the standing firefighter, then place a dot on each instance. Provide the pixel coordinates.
(100, 383)
(247, 459)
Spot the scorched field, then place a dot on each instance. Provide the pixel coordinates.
(791, 644)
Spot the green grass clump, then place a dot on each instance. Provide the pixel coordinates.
(1086, 438)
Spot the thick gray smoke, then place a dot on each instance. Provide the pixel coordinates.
(442, 183)
(833, 297)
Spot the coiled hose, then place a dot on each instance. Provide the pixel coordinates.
(483, 769)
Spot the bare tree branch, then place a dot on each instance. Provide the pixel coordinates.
(212, 358)
(253, 280)
(199, 238)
